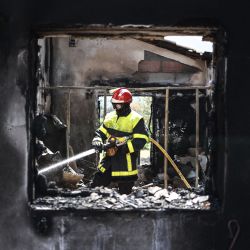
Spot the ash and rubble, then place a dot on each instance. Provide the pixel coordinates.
(148, 197)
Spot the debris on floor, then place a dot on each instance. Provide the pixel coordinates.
(149, 197)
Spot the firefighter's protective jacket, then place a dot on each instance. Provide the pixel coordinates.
(123, 163)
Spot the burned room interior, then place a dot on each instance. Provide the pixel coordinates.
(58, 68)
(173, 88)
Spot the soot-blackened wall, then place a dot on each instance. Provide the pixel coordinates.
(162, 230)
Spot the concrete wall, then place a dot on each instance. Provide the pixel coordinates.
(94, 59)
(17, 232)
(106, 59)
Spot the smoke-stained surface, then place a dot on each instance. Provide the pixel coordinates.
(94, 59)
(134, 231)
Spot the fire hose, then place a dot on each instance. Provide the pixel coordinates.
(109, 147)
(112, 151)
(171, 161)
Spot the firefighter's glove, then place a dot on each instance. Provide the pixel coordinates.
(97, 144)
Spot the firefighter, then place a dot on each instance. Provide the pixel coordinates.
(126, 130)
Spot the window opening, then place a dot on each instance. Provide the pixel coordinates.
(192, 42)
(170, 89)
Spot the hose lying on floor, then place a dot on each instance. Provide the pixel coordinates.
(171, 161)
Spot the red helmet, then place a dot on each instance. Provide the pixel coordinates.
(121, 95)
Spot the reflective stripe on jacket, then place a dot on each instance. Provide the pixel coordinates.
(123, 164)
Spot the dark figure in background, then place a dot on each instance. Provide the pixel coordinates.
(121, 123)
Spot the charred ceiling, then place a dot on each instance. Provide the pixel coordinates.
(128, 30)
